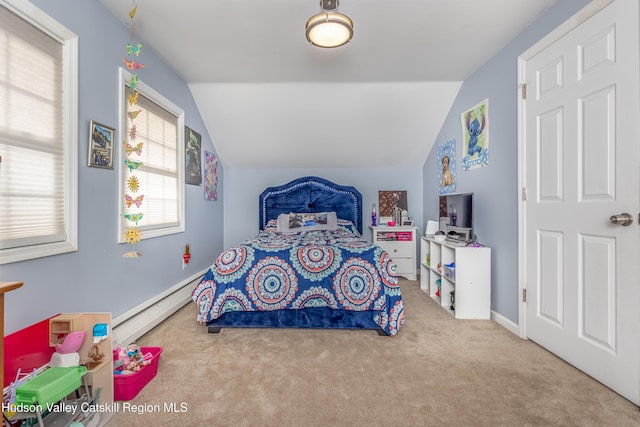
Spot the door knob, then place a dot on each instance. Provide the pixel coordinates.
(624, 219)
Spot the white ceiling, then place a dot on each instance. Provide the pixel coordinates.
(258, 83)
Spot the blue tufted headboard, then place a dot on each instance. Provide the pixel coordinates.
(311, 194)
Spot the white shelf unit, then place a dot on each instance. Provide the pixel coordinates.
(470, 280)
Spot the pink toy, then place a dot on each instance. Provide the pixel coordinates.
(71, 343)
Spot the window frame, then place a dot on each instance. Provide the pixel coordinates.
(69, 43)
(123, 87)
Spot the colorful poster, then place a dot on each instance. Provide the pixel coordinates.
(447, 166)
(210, 176)
(475, 134)
(387, 200)
(192, 169)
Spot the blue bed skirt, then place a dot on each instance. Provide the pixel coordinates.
(310, 317)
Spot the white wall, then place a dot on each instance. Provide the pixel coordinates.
(324, 125)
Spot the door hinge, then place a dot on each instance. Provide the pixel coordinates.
(524, 295)
(524, 90)
(524, 194)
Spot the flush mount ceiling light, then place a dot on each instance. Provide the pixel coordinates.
(329, 28)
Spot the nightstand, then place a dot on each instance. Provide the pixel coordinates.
(400, 243)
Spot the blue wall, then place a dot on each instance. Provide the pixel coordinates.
(495, 186)
(243, 186)
(96, 277)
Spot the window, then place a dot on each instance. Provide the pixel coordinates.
(38, 134)
(159, 146)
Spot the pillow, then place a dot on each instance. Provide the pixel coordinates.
(272, 225)
(295, 222)
(348, 226)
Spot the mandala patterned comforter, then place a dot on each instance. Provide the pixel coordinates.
(275, 271)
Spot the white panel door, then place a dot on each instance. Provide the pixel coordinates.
(581, 161)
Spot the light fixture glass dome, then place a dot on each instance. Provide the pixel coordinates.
(329, 29)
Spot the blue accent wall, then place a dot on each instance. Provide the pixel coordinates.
(96, 278)
(245, 185)
(495, 186)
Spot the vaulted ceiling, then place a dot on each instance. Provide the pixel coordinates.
(270, 99)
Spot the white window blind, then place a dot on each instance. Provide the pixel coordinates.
(159, 128)
(36, 185)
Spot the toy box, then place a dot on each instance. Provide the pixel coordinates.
(50, 386)
(127, 386)
(450, 271)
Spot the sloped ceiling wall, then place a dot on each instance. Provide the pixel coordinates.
(387, 87)
(311, 125)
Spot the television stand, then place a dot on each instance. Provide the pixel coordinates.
(457, 277)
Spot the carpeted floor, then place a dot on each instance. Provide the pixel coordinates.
(438, 371)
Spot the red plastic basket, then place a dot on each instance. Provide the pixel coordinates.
(126, 387)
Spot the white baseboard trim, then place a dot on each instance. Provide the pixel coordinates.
(139, 320)
(505, 323)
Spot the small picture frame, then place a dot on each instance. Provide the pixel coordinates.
(101, 138)
(407, 223)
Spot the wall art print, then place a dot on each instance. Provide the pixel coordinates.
(192, 157)
(447, 166)
(475, 134)
(387, 200)
(210, 176)
(101, 145)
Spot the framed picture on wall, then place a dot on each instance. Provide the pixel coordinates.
(210, 176)
(192, 157)
(447, 166)
(387, 200)
(101, 145)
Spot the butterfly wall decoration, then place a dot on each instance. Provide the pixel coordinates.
(134, 49)
(133, 235)
(128, 200)
(133, 98)
(130, 149)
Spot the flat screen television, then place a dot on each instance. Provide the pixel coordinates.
(456, 216)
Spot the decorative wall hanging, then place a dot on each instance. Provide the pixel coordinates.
(210, 176)
(101, 145)
(193, 159)
(133, 148)
(387, 200)
(447, 166)
(475, 134)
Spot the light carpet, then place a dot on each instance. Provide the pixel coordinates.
(438, 371)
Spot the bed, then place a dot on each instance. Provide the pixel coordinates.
(318, 272)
